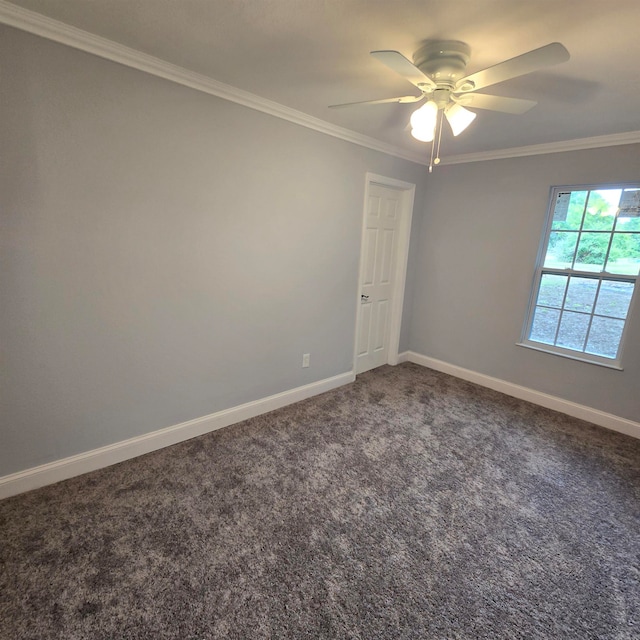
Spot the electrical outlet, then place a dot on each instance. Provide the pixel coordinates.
(306, 360)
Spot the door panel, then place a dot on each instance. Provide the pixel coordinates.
(381, 325)
(370, 256)
(365, 330)
(388, 237)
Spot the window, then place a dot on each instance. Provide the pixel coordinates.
(586, 273)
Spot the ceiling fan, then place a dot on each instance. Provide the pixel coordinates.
(438, 70)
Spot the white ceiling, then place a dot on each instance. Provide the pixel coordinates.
(308, 54)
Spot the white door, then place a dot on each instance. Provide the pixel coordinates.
(379, 255)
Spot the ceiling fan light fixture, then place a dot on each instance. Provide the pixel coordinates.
(424, 135)
(459, 118)
(423, 121)
(436, 70)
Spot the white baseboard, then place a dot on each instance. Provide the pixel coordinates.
(65, 468)
(602, 419)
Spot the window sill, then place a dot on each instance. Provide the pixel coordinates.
(579, 358)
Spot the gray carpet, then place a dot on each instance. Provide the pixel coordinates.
(409, 504)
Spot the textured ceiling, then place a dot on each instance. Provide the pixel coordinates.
(309, 54)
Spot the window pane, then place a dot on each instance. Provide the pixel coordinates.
(581, 294)
(629, 208)
(568, 210)
(592, 249)
(614, 298)
(551, 291)
(573, 330)
(604, 337)
(562, 246)
(624, 256)
(545, 323)
(628, 224)
(601, 209)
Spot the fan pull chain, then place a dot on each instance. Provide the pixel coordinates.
(441, 117)
(438, 132)
(433, 145)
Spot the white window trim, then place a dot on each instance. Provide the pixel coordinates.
(611, 363)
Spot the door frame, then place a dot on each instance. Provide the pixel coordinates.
(408, 191)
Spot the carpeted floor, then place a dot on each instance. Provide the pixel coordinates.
(409, 504)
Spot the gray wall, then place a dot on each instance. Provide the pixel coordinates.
(474, 264)
(165, 254)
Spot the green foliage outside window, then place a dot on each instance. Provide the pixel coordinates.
(592, 248)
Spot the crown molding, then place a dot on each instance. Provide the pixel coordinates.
(40, 25)
(595, 142)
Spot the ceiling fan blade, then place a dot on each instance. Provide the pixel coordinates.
(398, 63)
(401, 100)
(550, 54)
(494, 103)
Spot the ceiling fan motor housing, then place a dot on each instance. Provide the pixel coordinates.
(444, 61)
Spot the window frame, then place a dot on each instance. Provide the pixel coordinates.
(540, 270)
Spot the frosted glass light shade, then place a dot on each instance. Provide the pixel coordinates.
(424, 135)
(459, 118)
(423, 121)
